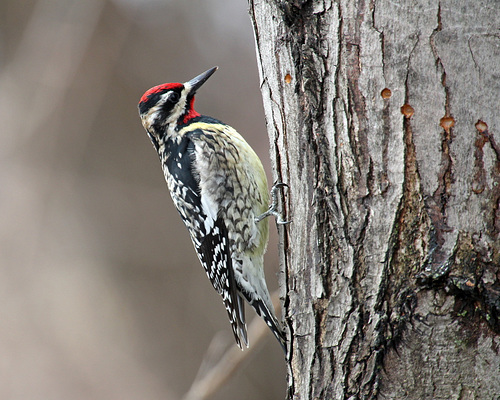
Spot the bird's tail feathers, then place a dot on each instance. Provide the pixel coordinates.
(268, 315)
(237, 320)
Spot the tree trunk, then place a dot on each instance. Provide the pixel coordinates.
(384, 121)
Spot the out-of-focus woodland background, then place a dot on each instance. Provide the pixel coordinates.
(101, 294)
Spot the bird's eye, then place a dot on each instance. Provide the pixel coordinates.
(173, 97)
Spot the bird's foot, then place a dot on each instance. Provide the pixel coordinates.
(273, 207)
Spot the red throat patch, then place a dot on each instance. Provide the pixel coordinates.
(192, 113)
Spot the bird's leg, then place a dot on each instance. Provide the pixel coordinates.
(273, 207)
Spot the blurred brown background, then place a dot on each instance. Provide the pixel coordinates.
(101, 294)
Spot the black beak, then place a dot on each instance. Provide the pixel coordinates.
(194, 84)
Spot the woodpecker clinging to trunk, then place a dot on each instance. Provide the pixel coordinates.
(219, 187)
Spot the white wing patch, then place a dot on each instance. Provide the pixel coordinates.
(209, 204)
(210, 209)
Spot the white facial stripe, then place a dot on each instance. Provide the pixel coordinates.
(153, 114)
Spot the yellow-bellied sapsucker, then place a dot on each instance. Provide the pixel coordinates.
(219, 187)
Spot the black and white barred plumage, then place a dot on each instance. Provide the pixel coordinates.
(219, 187)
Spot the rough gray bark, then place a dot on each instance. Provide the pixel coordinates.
(391, 285)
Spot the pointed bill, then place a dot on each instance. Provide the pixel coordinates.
(195, 83)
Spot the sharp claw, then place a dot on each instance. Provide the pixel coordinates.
(273, 207)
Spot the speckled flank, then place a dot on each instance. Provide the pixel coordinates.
(219, 187)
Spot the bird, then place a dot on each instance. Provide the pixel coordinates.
(219, 187)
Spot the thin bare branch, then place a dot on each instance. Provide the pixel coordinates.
(206, 384)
